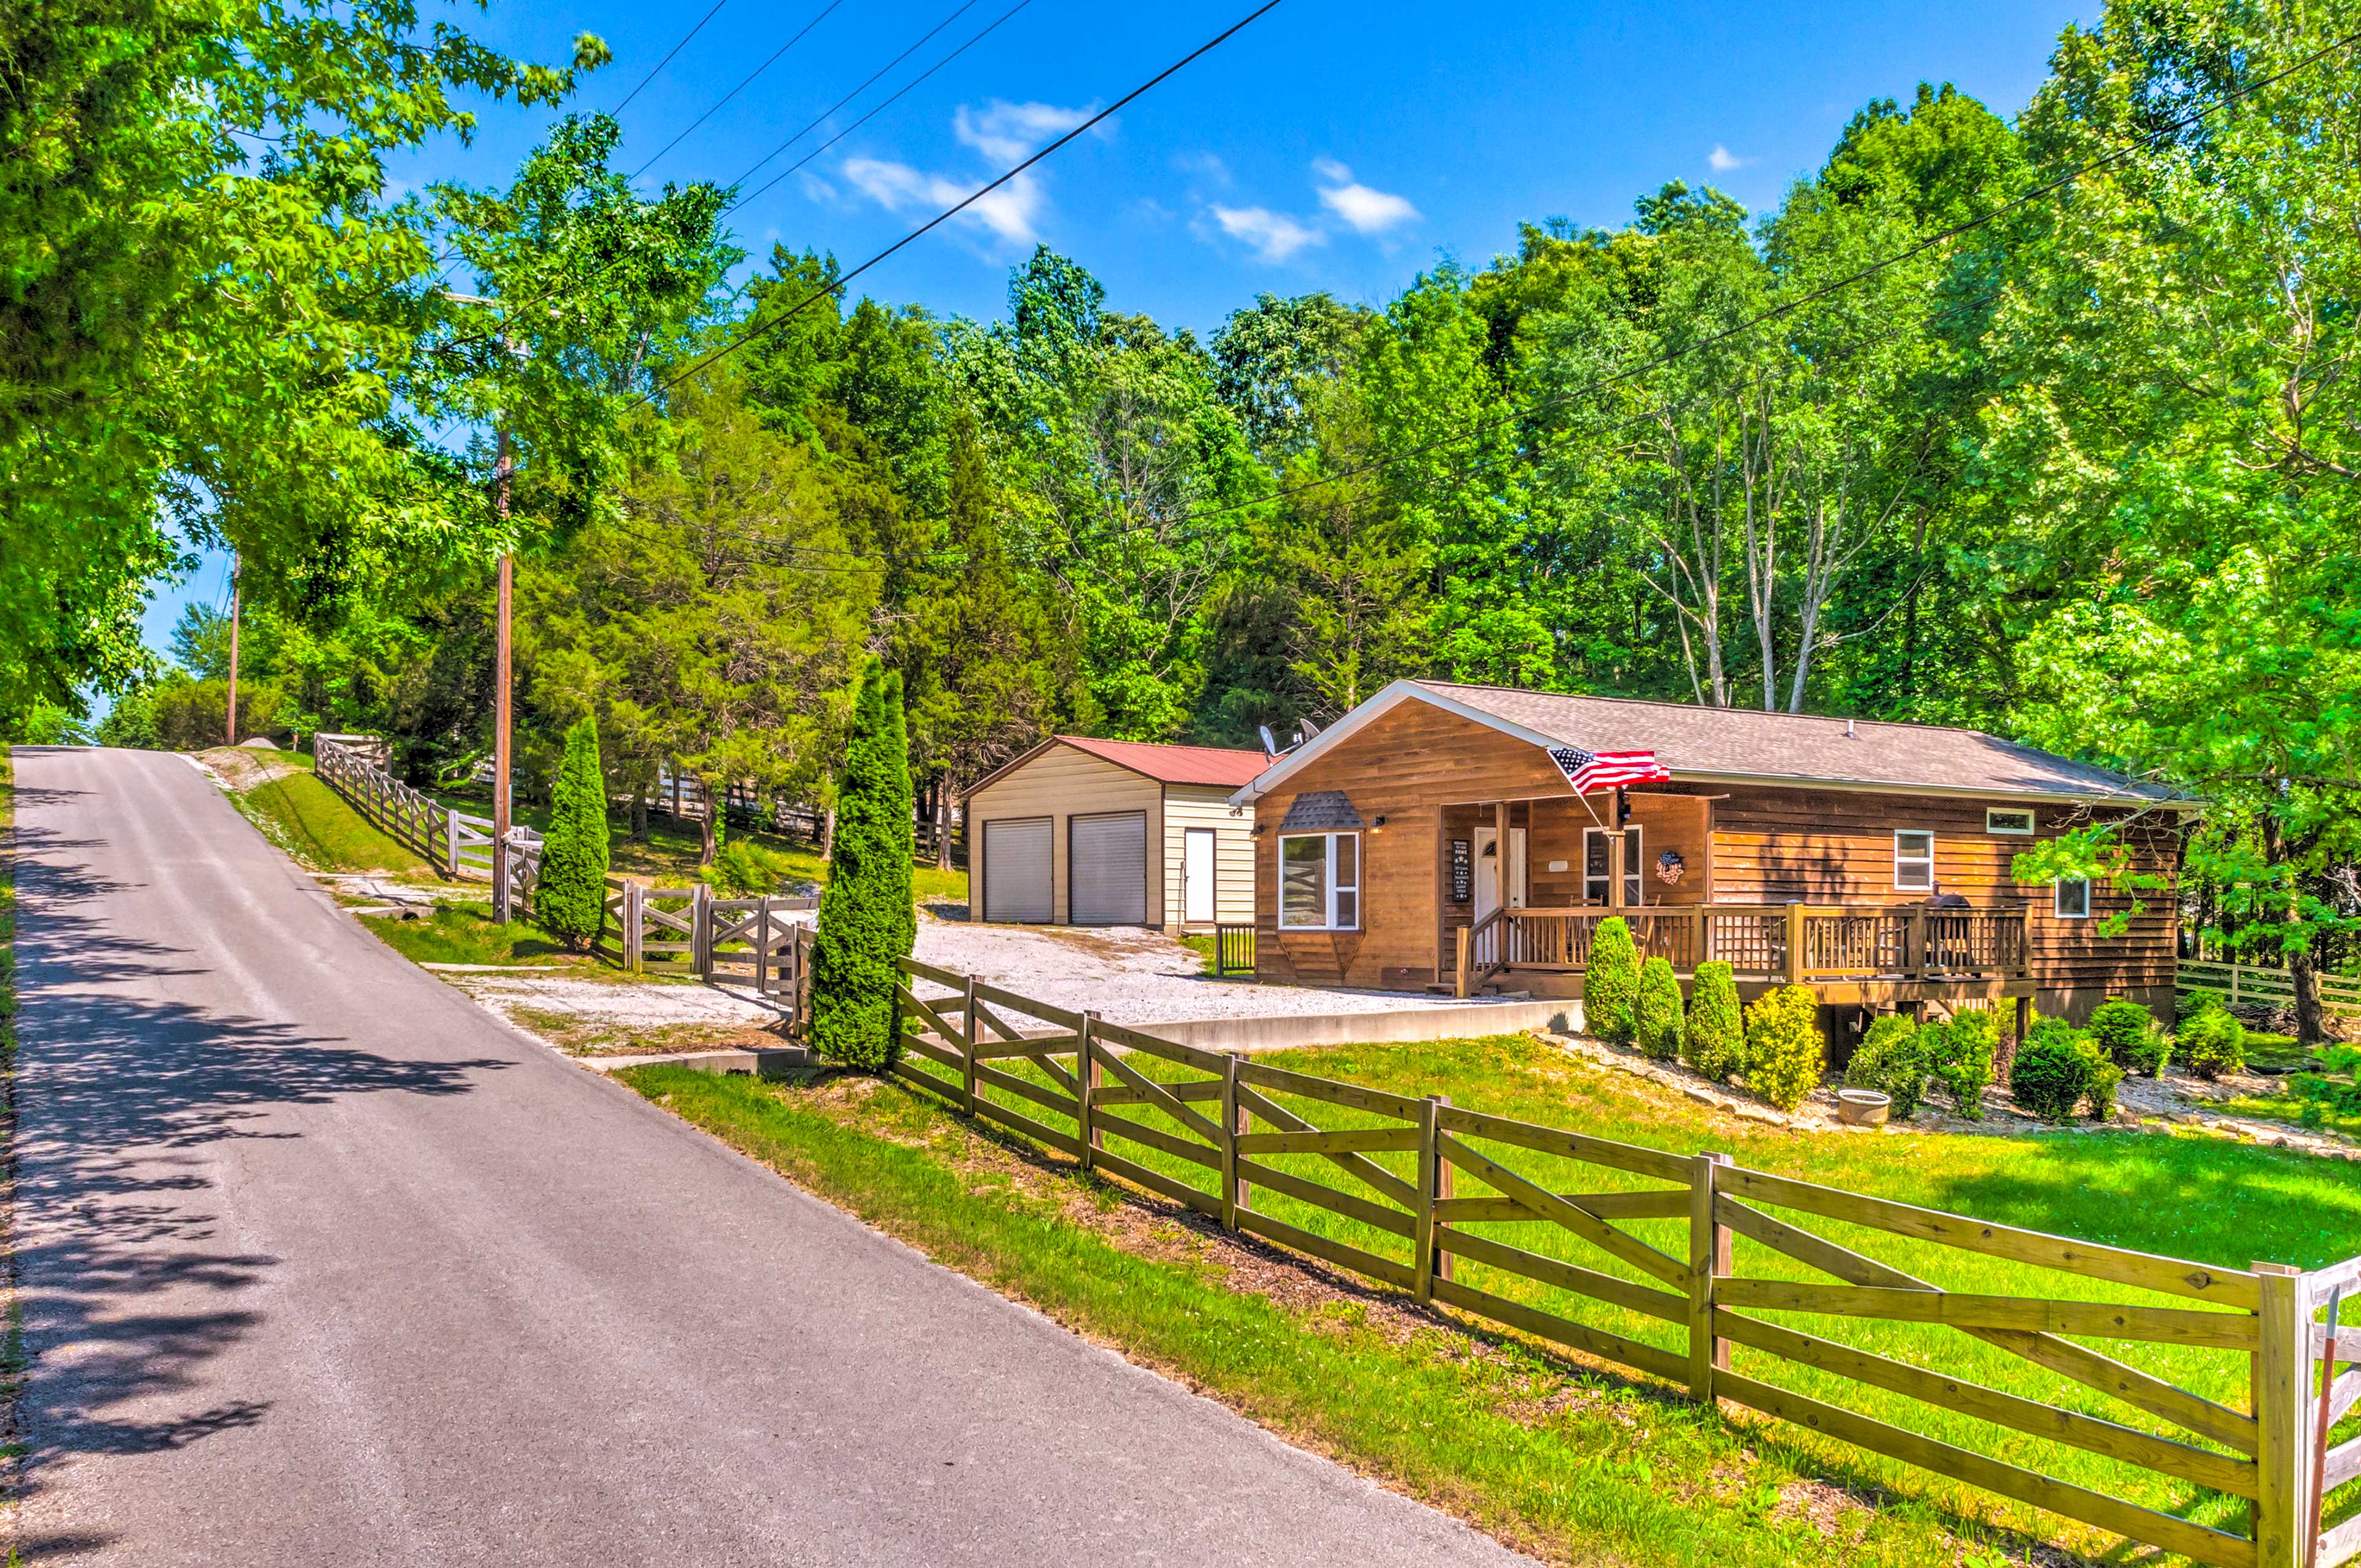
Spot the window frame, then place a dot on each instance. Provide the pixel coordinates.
(1927, 860)
(2057, 898)
(1329, 880)
(1635, 856)
(2032, 823)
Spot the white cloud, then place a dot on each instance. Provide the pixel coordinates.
(1009, 211)
(815, 189)
(1007, 132)
(1365, 211)
(1205, 166)
(1275, 235)
(1721, 160)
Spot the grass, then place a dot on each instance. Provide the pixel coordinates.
(2200, 1198)
(306, 818)
(465, 933)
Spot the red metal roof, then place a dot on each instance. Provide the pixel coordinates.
(1176, 764)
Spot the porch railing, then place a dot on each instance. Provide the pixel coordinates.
(1794, 943)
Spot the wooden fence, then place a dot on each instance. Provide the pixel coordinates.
(2246, 984)
(687, 931)
(1676, 1266)
(454, 842)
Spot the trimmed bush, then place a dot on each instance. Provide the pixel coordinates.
(1961, 1054)
(2212, 1043)
(1715, 1041)
(569, 901)
(1784, 1048)
(1656, 1019)
(868, 917)
(2127, 1033)
(2057, 1067)
(1891, 1060)
(1610, 986)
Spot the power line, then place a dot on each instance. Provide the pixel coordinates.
(821, 118)
(725, 98)
(898, 94)
(651, 75)
(837, 287)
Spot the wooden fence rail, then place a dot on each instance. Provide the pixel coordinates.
(2256, 983)
(454, 843)
(1640, 1266)
(754, 942)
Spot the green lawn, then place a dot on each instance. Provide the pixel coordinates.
(2197, 1199)
(307, 819)
(467, 934)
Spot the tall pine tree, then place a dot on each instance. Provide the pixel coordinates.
(868, 916)
(570, 898)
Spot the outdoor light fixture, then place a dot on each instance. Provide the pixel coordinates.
(1376, 823)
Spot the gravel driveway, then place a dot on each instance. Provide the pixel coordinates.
(1128, 974)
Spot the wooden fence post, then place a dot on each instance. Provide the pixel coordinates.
(1446, 1184)
(974, 1034)
(763, 945)
(1708, 1260)
(2281, 1362)
(701, 930)
(1233, 1191)
(1430, 1116)
(633, 932)
(1795, 944)
(1466, 944)
(1085, 1081)
(1914, 962)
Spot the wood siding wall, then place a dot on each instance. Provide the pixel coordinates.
(1208, 805)
(1063, 784)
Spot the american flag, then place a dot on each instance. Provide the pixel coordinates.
(1588, 771)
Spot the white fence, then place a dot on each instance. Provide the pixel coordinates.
(458, 845)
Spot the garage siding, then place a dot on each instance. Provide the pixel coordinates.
(1061, 783)
(1208, 805)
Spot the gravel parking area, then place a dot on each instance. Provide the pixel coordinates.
(1131, 975)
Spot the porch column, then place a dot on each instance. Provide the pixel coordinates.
(1615, 848)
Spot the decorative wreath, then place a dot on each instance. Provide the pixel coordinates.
(1669, 866)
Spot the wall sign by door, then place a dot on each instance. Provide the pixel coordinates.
(1462, 870)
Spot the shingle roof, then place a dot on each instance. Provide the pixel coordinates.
(1733, 742)
(1176, 764)
(1320, 810)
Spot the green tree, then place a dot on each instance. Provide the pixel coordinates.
(569, 900)
(1611, 983)
(868, 915)
(1656, 1013)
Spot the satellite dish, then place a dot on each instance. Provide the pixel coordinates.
(1269, 745)
(1310, 728)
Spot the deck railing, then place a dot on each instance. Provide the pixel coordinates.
(1796, 943)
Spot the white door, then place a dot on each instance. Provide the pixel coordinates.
(1487, 870)
(1197, 876)
(1016, 870)
(1107, 881)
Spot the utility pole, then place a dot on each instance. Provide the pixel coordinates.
(501, 762)
(230, 709)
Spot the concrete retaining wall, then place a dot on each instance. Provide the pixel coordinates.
(1285, 1033)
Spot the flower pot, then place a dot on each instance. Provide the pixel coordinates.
(1862, 1107)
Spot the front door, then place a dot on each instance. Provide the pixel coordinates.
(1489, 879)
(1197, 876)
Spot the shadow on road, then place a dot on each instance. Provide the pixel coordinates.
(126, 1285)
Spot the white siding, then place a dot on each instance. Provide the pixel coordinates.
(1208, 805)
(1061, 784)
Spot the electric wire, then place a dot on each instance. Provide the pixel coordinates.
(742, 86)
(651, 75)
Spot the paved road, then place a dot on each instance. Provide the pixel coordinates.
(321, 1265)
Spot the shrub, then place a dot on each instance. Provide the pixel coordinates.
(1784, 1048)
(190, 715)
(1610, 986)
(1891, 1060)
(131, 722)
(2212, 1043)
(2057, 1067)
(868, 918)
(1656, 1016)
(1961, 1056)
(1715, 1041)
(569, 901)
(741, 869)
(2127, 1033)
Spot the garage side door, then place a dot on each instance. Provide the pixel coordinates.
(1016, 870)
(1109, 873)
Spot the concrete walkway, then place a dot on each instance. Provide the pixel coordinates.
(321, 1264)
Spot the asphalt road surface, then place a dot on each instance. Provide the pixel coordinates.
(321, 1265)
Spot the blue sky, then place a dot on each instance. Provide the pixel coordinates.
(1332, 146)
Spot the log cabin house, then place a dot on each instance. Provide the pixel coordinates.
(1436, 838)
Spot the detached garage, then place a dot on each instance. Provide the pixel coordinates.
(1084, 832)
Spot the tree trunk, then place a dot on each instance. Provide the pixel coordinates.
(639, 814)
(942, 822)
(2303, 973)
(828, 837)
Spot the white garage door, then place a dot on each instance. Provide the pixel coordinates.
(1016, 870)
(1109, 884)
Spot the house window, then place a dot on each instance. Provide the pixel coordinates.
(2008, 819)
(2074, 899)
(1598, 864)
(1320, 882)
(1914, 860)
